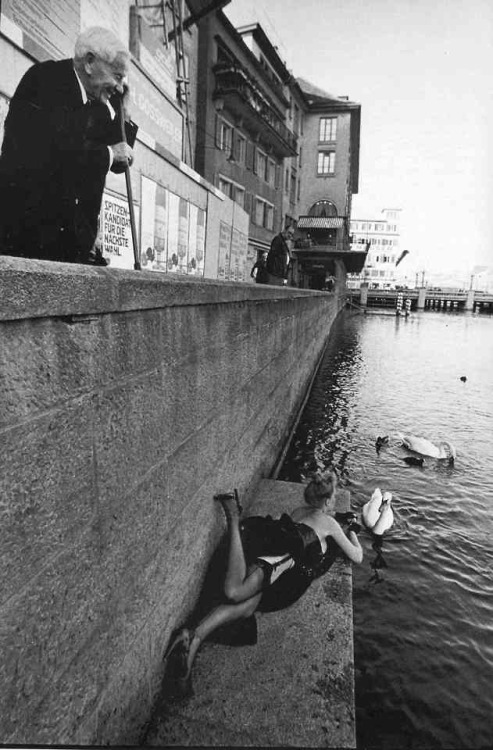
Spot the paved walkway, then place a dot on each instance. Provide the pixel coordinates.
(295, 687)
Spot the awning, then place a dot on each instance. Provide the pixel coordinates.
(320, 222)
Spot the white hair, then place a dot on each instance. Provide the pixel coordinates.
(101, 42)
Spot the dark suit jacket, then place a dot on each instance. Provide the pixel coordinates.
(277, 259)
(53, 165)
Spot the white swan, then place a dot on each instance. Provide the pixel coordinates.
(371, 509)
(386, 518)
(426, 448)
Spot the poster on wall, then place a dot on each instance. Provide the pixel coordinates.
(154, 226)
(172, 231)
(173, 223)
(161, 229)
(192, 241)
(200, 242)
(245, 266)
(223, 258)
(115, 234)
(183, 236)
(234, 264)
(45, 30)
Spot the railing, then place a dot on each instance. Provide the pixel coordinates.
(233, 79)
(328, 247)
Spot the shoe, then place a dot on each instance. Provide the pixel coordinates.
(95, 258)
(176, 655)
(230, 496)
(180, 640)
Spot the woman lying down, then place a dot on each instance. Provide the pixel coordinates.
(271, 563)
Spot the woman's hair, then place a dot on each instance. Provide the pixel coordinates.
(320, 487)
(101, 42)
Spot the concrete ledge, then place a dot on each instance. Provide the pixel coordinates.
(295, 687)
(39, 288)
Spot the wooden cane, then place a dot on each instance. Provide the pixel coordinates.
(128, 181)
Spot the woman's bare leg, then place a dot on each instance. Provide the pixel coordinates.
(240, 584)
(221, 615)
(242, 587)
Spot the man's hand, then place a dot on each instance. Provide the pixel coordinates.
(120, 98)
(126, 102)
(123, 155)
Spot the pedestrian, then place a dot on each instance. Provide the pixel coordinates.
(62, 134)
(278, 257)
(274, 578)
(259, 270)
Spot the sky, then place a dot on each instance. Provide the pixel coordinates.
(421, 70)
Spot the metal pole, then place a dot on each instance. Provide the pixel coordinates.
(128, 181)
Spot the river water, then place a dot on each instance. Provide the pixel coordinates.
(423, 602)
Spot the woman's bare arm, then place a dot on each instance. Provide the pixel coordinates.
(350, 546)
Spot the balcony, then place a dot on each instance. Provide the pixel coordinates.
(241, 97)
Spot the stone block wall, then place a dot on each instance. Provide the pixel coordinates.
(127, 400)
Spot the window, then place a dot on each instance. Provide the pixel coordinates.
(286, 181)
(323, 208)
(264, 213)
(328, 129)
(224, 186)
(271, 172)
(326, 162)
(224, 136)
(261, 165)
(240, 196)
(296, 119)
(232, 190)
(292, 191)
(240, 151)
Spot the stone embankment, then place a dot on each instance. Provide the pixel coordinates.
(127, 400)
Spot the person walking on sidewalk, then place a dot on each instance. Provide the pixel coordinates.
(278, 257)
(269, 582)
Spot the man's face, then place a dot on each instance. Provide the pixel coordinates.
(105, 79)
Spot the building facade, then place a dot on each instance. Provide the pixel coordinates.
(381, 238)
(328, 171)
(242, 136)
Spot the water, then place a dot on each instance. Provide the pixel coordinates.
(423, 603)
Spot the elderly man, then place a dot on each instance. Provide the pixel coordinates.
(62, 134)
(278, 258)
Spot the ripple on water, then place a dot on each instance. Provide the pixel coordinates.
(423, 597)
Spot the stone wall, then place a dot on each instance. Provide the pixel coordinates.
(126, 401)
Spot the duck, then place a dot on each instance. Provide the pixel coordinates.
(424, 446)
(371, 509)
(386, 517)
(413, 461)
